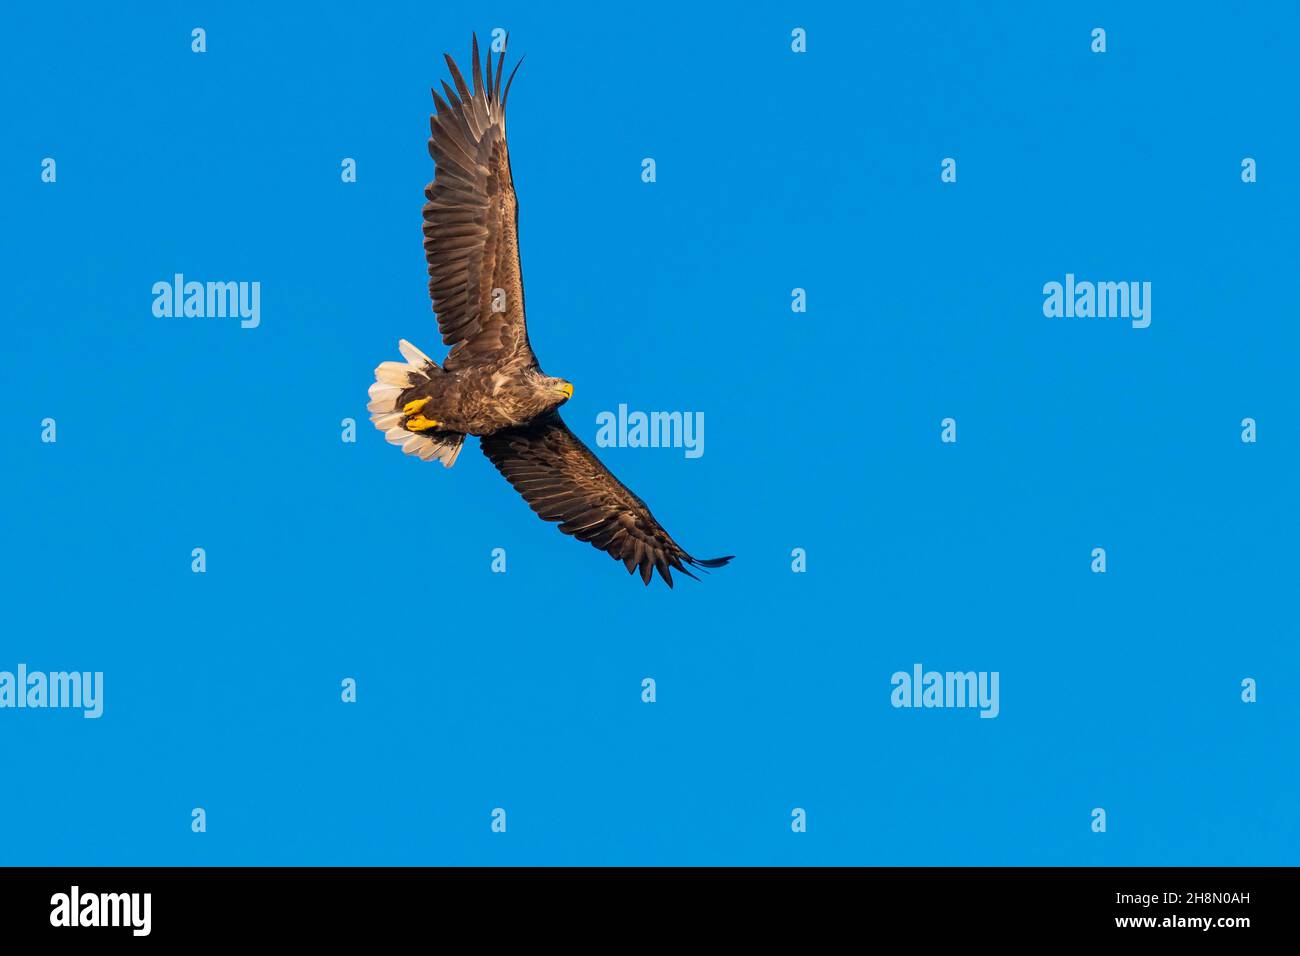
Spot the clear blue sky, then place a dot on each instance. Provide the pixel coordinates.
(522, 690)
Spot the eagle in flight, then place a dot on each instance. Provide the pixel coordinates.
(490, 384)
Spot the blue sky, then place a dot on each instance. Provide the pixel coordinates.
(522, 690)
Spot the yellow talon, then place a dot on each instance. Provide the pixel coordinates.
(410, 408)
(420, 424)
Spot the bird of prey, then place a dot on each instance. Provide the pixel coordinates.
(490, 384)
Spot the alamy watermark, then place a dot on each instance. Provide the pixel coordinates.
(651, 430)
(68, 689)
(75, 908)
(1098, 300)
(947, 689)
(209, 300)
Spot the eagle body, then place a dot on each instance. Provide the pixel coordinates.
(480, 400)
(491, 385)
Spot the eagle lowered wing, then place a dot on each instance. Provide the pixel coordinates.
(563, 481)
(471, 224)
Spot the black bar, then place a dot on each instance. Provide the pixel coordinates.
(236, 904)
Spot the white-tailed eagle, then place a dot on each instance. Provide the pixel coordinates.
(490, 385)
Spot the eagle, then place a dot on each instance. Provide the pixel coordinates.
(490, 384)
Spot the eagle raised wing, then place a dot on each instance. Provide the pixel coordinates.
(471, 224)
(563, 481)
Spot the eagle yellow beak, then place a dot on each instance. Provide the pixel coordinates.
(566, 390)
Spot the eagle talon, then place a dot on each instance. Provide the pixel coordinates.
(419, 423)
(410, 408)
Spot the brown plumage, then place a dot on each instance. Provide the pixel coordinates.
(491, 385)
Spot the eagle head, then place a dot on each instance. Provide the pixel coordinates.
(561, 388)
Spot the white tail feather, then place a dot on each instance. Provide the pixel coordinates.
(395, 373)
(391, 380)
(413, 355)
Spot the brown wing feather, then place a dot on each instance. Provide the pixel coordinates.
(471, 226)
(563, 481)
